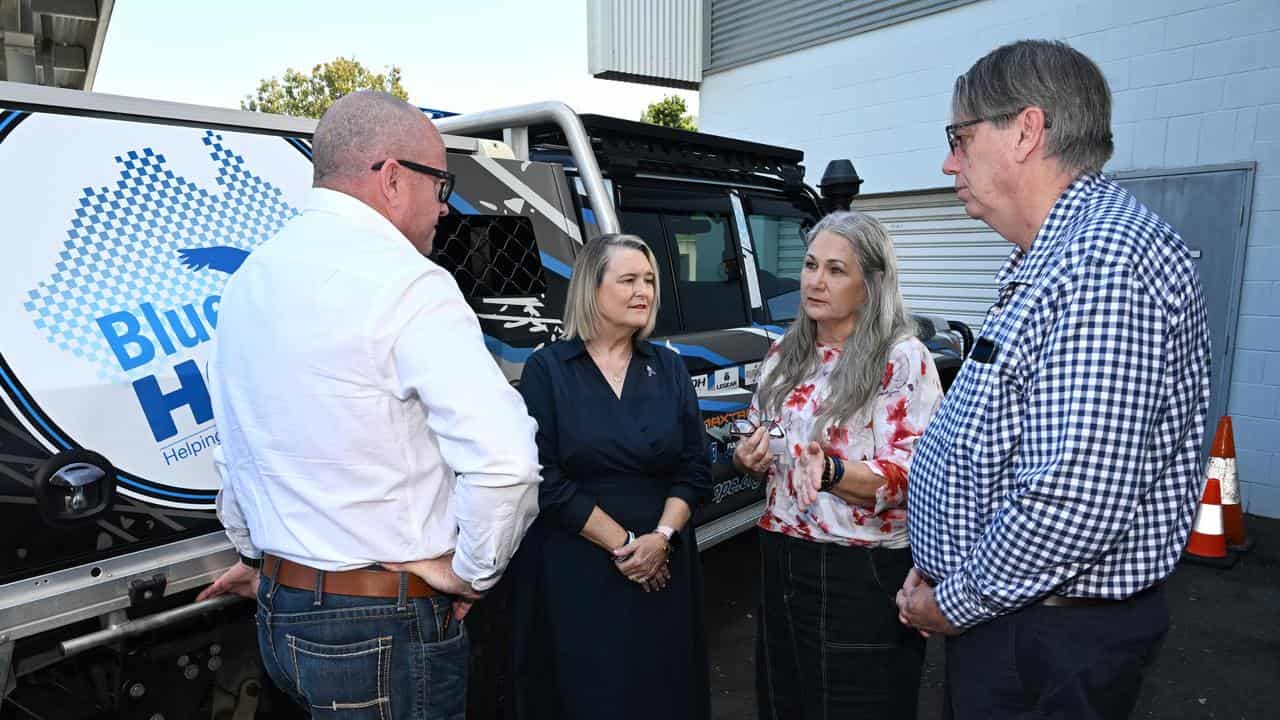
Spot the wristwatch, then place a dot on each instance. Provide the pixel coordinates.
(255, 563)
(671, 534)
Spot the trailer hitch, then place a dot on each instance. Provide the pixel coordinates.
(146, 592)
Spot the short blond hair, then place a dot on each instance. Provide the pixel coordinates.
(581, 314)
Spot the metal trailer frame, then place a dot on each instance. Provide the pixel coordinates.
(103, 589)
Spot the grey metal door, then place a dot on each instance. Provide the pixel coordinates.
(1209, 208)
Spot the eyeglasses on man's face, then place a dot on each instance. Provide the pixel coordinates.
(954, 141)
(443, 190)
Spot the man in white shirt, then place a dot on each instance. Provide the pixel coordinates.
(366, 430)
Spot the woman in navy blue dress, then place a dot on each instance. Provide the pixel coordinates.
(608, 587)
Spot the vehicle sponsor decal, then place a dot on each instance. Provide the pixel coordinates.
(728, 381)
(733, 486)
(108, 308)
(724, 419)
(721, 448)
(724, 379)
(701, 383)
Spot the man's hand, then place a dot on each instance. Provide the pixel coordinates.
(439, 574)
(461, 607)
(918, 608)
(240, 580)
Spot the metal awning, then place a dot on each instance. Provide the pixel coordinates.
(52, 42)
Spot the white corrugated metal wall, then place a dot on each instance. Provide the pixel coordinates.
(649, 41)
(745, 31)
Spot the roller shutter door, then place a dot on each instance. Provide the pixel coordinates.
(947, 261)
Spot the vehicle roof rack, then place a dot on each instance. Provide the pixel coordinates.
(514, 124)
(626, 147)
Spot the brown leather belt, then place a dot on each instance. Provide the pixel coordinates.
(361, 583)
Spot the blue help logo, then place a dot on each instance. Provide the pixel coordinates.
(128, 286)
(132, 297)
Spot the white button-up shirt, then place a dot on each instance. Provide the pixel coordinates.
(361, 418)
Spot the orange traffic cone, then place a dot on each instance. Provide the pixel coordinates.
(1207, 545)
(1222, 465)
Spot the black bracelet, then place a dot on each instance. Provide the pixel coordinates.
(832, 471)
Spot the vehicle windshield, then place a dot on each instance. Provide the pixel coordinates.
(778, 227)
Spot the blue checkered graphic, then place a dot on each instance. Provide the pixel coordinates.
(123, 244)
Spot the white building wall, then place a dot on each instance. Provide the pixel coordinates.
(1195, 82)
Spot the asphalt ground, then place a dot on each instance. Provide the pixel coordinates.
(1220, 660)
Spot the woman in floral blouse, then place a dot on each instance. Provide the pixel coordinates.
(843, 398)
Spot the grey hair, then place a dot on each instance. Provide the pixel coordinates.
(362, 128)
(883, 322)
(1054, 77)
(581, 314)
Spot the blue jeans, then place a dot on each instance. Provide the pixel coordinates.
(347, 657)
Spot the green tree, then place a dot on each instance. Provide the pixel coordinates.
(671, 112)
(309, 95)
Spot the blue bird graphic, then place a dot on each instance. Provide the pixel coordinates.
(220, 257)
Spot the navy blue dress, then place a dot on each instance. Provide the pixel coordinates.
(588, 643)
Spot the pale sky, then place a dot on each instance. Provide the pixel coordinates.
(458, 56)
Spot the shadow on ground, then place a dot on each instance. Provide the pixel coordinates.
(1220, 660)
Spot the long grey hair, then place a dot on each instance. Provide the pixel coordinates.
(882, 322)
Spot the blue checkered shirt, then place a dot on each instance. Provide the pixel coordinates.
(1069, 462)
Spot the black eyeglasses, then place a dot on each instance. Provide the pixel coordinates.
(444, 190)
(953, 139)
(744, 428)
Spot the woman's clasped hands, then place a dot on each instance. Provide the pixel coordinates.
(644, 561)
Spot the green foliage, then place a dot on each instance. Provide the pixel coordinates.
(671, 112)
(309, 95)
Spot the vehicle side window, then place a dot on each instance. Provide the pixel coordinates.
(648, 226)
(778, 229)
(779, 244)
(709, 277)
(694, 226)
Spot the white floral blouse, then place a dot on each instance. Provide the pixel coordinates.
(883, 437)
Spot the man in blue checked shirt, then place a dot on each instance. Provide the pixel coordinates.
(1052, 494)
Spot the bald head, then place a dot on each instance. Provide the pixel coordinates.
(367, 128)
(364, 127)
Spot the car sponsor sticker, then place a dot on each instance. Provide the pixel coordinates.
(109, 302)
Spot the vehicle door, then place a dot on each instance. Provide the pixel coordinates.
(705, 312)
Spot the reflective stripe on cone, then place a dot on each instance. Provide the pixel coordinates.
(1207, 543)
(1222, 465)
